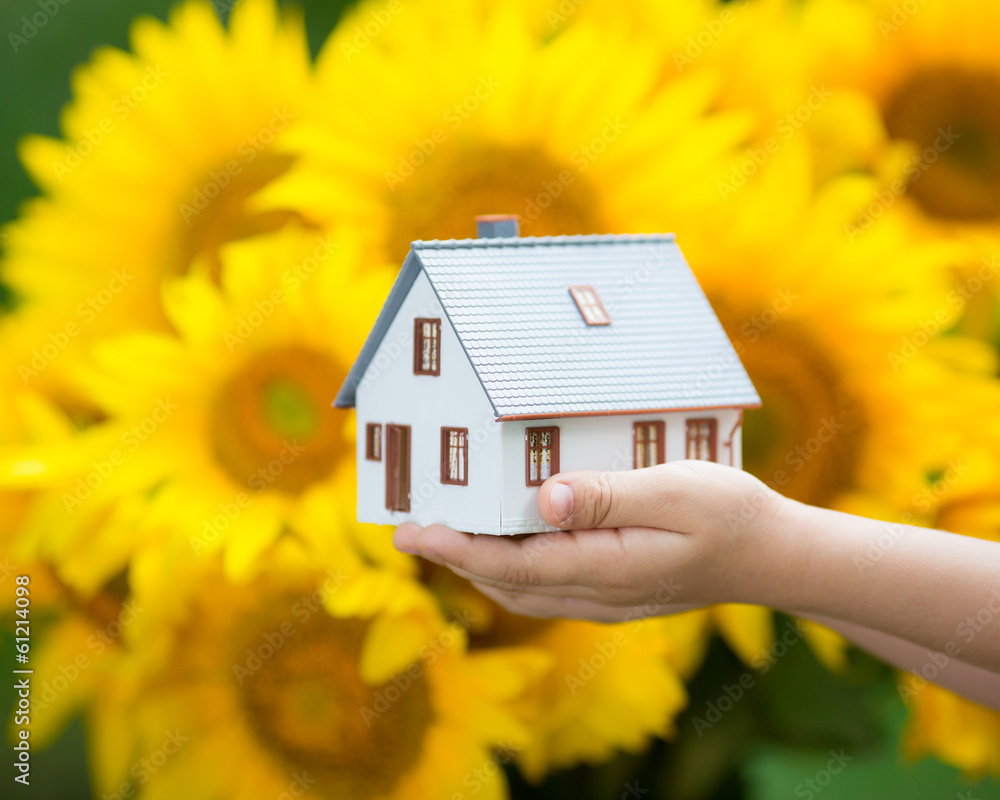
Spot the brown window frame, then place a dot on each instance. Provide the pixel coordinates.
(463, 447)
(553, 455)
(418, 346)
(661, 442)
(713, 437)
(373, 447)
(583, 305)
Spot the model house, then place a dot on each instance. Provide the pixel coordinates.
(498, 361)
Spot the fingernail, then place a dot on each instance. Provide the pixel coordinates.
(561, 502)
(409, 550)
(432, 555)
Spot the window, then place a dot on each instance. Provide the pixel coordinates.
(455, 456)
(590, 305)
(426, 346)
(541, 454)
(701, 439)
(648, 444)
(373, 442)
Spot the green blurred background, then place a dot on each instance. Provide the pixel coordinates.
(779, 734)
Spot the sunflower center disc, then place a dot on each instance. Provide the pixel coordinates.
(308, 705)
(953, 115)
(272, 425)
(445, 192)
(807, 438)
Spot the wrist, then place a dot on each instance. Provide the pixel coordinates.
(774, 565)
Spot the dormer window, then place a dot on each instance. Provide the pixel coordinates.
(589, 303)
(426, 346)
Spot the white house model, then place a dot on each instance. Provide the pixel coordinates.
(498, 361)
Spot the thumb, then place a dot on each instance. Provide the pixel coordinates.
(668, 496)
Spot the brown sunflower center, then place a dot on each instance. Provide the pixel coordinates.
(438, 197)
(808, 435)
(307, 704)
(216, 211)
(271, 425)
(952, 113)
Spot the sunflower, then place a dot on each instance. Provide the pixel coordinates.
(608, 687)
(572, 131)
(908, 92)
(161, 149)
(217, 437)
(834, 332)
(261, 677)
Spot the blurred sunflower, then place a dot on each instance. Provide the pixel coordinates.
(608, 687)
(160, 151)
(573, 131)
(834, 335)
(934, 73)
(262, 677)
(217, 436)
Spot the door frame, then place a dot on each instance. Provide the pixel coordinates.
(397, 467)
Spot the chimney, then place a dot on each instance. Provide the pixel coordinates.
(496, 226)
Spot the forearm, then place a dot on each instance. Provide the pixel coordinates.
(975, 683)
(937, 590)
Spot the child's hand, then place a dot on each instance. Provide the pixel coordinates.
(637, 543)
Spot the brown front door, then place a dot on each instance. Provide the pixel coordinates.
(397, 467)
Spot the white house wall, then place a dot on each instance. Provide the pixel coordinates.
(596, 443)
(390, 393)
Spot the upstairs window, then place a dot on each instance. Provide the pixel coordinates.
(426, 346)
(541, 446)
(373, 441)
(648, 444)
(589, 303)
(701, 439)
(455, 456)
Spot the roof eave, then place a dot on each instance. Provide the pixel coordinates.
(623, 412)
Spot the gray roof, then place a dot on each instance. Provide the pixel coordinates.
(509, 302)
